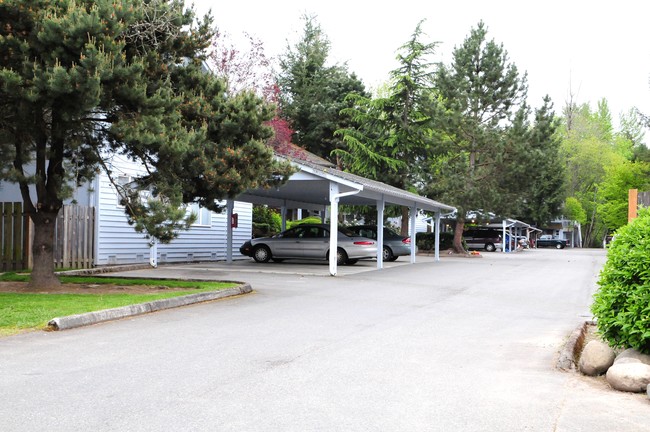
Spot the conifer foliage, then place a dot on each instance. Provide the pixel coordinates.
(82, 80)
(482, 93)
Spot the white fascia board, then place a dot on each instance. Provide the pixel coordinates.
(278, 202)
(422, 203)
(324, 175)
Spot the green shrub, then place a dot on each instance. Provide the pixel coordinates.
(622, 303)
(427, 241)
(308, 219)
(266, 221)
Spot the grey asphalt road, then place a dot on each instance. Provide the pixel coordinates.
(457, 345)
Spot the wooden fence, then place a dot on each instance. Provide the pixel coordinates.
(74, 237)
(14, 233)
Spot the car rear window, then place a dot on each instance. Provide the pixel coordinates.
(347, 232)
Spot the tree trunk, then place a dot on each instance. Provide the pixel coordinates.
(43, 251)
(458, 236)
(404, 230)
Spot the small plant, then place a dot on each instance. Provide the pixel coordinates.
(622, 303)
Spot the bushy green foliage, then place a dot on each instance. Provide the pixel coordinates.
(622, 304)
(427, 241)
(266, 221)
(308, 220)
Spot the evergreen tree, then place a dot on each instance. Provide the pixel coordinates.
(541, 192)
(82, 80)
(481, 92)
(312, 93)
(394, 133)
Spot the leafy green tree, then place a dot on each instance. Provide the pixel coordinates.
(574, 211)
(312, 93)
(481, 93)
(591, 150)
(82, 80)
(613, 191)
(632, 130)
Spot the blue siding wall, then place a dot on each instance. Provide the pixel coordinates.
(118, 243)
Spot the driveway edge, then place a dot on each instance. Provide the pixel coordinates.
(573, 346)
(89, 318)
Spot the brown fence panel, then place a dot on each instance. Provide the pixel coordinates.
(12, 233)
(75, 237)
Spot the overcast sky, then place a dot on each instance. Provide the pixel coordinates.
(595, 49)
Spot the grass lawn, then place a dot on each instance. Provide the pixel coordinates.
(31, 311)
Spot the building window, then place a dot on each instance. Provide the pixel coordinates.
(203, 215)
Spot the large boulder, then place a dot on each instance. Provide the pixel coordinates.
(631, 355)
(596, 358)
(630, 377)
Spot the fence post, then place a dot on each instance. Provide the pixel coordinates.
(28, 256)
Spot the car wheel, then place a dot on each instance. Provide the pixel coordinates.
(351, 261)
(559, 246)
(489, 247)
(387, 254)
(393, 258)
(262, 254)
(341, 257)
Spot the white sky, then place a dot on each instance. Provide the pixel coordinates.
(595, 48)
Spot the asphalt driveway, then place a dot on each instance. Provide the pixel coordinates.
(455, 345)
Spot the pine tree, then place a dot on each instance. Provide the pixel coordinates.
(542, 186)
(82, 80)
(481, 92)
(312, 93)
(394, 133)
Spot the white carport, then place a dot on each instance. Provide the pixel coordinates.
(317, 185)
(515, 228)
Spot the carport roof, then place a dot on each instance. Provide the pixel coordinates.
(309, 188)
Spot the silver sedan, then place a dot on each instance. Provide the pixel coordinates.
(395, 244)
(309, 241)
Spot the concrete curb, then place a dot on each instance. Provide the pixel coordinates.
(105, 269)
(571, 350)
(89, 318)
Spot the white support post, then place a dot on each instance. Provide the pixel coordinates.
(153, 253)
(230, 205)
(503, 237)
(334, 229)
(283, 214)
(380, 232)
(510, 238)
(437, 244)
(414, 211)
(299, 214)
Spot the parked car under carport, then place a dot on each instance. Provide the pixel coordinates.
(395, 244)
(309, 241)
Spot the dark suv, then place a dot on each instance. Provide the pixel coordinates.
(483, 238)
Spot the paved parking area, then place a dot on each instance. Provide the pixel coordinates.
(243, 268)
(456, 345)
